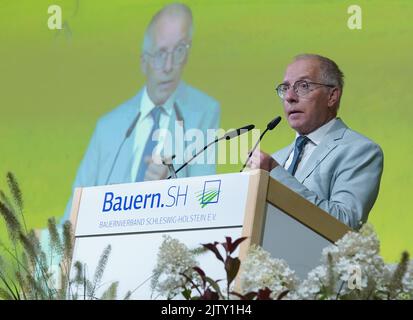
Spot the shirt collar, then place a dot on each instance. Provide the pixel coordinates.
(147, 105)
(317, 135)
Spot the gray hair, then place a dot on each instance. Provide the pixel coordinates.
(172, 10)
(330, 72)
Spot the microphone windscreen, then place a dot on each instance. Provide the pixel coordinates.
(274, 122)
(239, 131)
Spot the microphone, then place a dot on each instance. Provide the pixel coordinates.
(271, 125)
(127, 135)
(227, 136)
(237, 132)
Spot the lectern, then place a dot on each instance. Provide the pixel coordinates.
(133, 218)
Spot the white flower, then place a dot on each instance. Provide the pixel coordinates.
(354, 258)
(406, 289)
(259, 270)
(350, 269)
(174, 258)
(310, 288)
(408, 280)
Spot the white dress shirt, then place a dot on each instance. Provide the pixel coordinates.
(144, 127)
(315, 138)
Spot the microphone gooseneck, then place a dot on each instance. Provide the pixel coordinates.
(227, 136)
(271, 125)
(127, 135)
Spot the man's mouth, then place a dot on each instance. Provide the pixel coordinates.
(166, 84)
(294, 112)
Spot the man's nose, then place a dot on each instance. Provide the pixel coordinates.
(168, 65)
(291, 96)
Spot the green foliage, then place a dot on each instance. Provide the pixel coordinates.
(110, 293)
(329, 281)
(26, 268)
(396, 285)
(209, 289)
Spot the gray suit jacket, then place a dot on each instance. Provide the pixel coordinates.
(197, 111)
(342, 175)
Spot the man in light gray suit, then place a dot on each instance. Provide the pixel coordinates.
(334, 167)
(154, 122)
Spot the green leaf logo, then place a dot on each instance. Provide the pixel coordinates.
(210, 193)
(207, 197)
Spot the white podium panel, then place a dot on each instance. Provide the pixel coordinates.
(133, 258)
(133, 217)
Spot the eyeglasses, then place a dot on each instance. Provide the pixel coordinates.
(300, 87)
(158, 59)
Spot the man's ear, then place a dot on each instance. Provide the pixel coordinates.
(334, 97)
(144, 62)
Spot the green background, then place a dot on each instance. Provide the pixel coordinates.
(54, 85)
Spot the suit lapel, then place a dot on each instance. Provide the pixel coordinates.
(328, 144)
